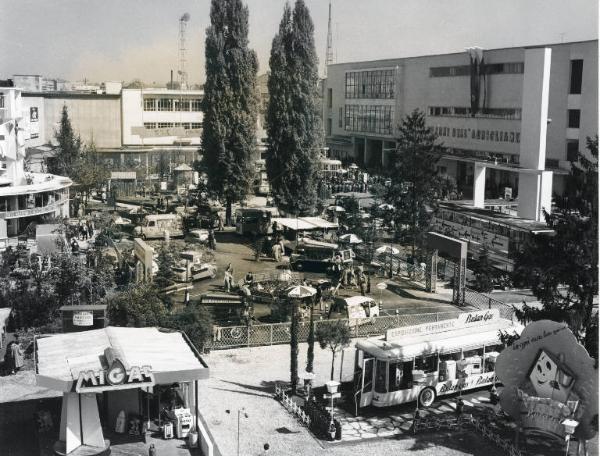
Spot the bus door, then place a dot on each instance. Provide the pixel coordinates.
(368, 373)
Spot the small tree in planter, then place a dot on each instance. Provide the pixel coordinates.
(334, 336)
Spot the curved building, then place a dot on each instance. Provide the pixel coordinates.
(25, 197)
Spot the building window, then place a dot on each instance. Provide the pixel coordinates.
(370, 84)
(181, 105)
(196, 104)
(576, 76)
(551, 163)
(341, 117)
(149, 125)
(196, 125)
(489, 113)
(165, 124)
(572, 150)
(165, 104)
(574, 118)
(329, 98)
(1, 100)
(465, 70)
(328, 127)
(369, 119)
(149, 104)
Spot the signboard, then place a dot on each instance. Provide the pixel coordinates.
(83, 319)
(178, 132)
(464, 320)
(549, 377)
(456, 229)
(115, 378)
(507, 193)
(33, 211)
(34, 126)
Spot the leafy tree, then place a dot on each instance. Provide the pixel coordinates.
(138, 306)
(485, 273)
(165, 276)
(335, 336)
(68, 150)
(562, 269)
(416, 186)
(230, 103)
(89, 171)
(293, 120)
(195, 321)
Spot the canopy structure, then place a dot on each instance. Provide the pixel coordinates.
(350, 238)
(108, 360)
(305, 223)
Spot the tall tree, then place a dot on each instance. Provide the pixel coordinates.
(416, 185)
(562, 270)
(293, 121)
(335, 336)
(137, 306)
(69, 147)
(230, 103)
(89, 171)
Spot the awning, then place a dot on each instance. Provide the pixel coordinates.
(62, 358)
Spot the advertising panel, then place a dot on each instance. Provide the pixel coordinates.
(34, 124)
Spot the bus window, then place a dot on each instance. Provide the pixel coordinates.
(400, 374)
(474, 361)
(491, 353)
(380, 377)
(368, 376)
(452, 356)
(427, 364)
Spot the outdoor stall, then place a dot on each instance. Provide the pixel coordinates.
(121, 380)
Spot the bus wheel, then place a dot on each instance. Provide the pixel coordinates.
(298, 266)
(426, 397)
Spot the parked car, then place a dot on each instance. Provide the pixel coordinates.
(156, 225)
(199, 235)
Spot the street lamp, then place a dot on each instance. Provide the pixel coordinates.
(569, 426)
(239, 413)
(332, 393)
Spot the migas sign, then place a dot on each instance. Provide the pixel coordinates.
(114, 378)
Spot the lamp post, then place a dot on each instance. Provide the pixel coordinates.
(332, 393)
(239, 414)
(569, 425)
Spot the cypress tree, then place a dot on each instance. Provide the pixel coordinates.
(293, 120)
(230, 103)
(69, 147)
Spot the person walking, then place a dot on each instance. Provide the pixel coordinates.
(228, 279)
(362, 280)
(276, 251)
(17, 356)
(211, 240)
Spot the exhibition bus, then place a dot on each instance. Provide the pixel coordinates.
(429, 360)
(253, 221)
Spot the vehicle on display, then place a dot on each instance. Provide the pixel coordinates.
(252, 221)
(199, 235)
(355, 307)
(156, 226)
(192, 267)
(261, 181)
(423, 362)
(318, 256)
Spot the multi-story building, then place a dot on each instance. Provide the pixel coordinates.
(25, 197)
(520, 113)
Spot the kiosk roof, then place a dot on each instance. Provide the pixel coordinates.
(61, 357)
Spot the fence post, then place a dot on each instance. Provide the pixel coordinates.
(489, 303)
(271, 335)
(248, 336)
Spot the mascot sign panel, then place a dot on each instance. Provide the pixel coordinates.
(549, 378)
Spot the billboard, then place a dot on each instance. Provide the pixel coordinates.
(34, 124)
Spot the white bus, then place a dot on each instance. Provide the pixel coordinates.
(425, 361)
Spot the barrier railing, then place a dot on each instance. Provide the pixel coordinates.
(482, 302)
(279, 333)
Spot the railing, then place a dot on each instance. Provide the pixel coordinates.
(459, 423)
(279, 333)
(482, 302)
(291, 406)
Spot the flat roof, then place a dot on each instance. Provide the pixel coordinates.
(61, 357)
(393, 59)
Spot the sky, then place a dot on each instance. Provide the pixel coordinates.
(120, 40)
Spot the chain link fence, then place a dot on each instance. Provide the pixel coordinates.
(279, 333)
(482, 302)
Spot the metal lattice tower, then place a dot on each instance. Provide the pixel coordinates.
(183, 80)
(329, 52)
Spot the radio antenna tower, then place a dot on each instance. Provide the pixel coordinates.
(329, 52)
(183, 80)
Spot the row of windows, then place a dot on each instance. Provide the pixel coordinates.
(491, 113)
(465, 70)
(172, 104)
(186, 125)
(369, 119)
(370, 84)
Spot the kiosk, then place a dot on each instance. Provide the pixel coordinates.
(113, 373)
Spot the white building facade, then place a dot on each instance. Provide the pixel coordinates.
(510, 118)
(25, 197)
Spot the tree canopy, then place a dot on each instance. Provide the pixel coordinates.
(334, 336)
(416, 184)
(293, 115)
(562, 269)
(230, 103)
(69, 147)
